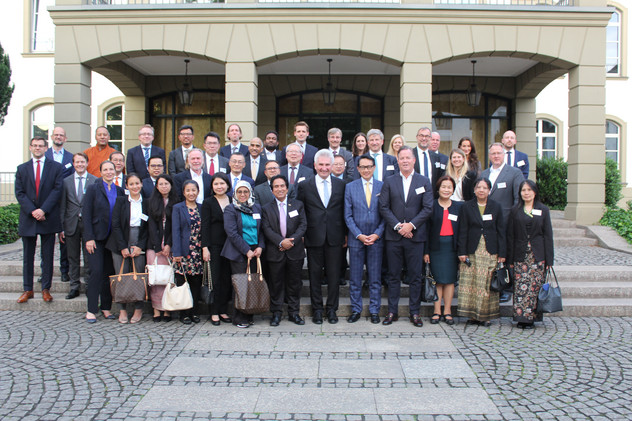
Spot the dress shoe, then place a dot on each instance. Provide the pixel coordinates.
(355, 316)
(91, 321)
(243, 325)
(196, 319)
(25, 296)
(186, 320)
(166, 318)
(486, 324)
(276, 319)
(317, 318)
(416, 320)
(296, 319)
(215, 322)
(375, 319)
(72, 294)
(65, 277)
(332, 318)
(109, 316)
(157, 318)
(46, 296)
(389, 319)
(343, 282)
(520, 325)
(505, 296)
(225, 319)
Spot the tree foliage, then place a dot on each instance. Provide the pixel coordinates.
(6, 88)
(551, 176)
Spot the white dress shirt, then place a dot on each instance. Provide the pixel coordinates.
(424, 156)
(379, 163)
(321, 189)
(406, 183)
(271, 156)
(135, 211)
(200, 180)
(41, 160)
(215, 161)
(493, 174)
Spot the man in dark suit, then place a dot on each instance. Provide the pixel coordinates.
(405, 204)
(255, 161)
(178, 156)
(366, 229)
(284, 225)
(339, 169)
(233, 136)
(294, 171)
(213, 161)
(271, 144)
(138, 156)
(196, 173)
(156, 167)
(323, 197)
(515, 158)
(38, 187)
(74, 188)
(63, 157)
(118, 159)
(334, 137)
(237, 162)
(427, 163)
(263, 192)
(301, 133)
(385, 164)
(435, 142)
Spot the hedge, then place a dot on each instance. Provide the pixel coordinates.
(9, 222)
(620, 220)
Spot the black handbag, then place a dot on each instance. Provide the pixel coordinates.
(501, 281)
(429, 291)
(550, 296)
(206, 291)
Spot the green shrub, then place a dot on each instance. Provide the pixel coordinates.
(613, 183)
(9, 223)
(551, 177)
(620, 220)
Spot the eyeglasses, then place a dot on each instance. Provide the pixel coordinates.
(156, 166)
(273, 169)
(186, 134)
(365, 167)
(425, 136)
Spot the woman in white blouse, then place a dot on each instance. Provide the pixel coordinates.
(461, 174)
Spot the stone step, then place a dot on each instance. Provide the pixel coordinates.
(574, 241)
(593, 273)
(569, 232)
(572, 289)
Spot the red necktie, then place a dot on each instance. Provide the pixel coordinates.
(212, 170)
(37, 179)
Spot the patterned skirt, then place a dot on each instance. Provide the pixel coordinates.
(528, 279)
(476, 301)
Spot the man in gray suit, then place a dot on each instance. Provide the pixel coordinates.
(178, 156)
(334, 136)
(75, 186)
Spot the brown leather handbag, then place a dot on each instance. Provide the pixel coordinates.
(251, 291)
(129, 287)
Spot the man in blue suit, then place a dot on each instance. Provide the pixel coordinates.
(385, 164)
(515, 158)
(366, 228)
(38, 188)
(138, 156)
(233, 135)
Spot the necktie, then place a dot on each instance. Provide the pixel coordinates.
(367, 192)
(211, 170)
(235, 182)
(292, 176)
(146, 156)
(116, 181)
(376, 174)
(37, 178)
(335, 153)
(509, 159)
(234, 149)
(80, 189)
(426, 164)
(326, 191)
(282, 221)
(254, 169)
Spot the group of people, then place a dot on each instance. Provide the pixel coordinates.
(226, 206)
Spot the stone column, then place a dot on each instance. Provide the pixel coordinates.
(241, 97)
(586, 137)
(526, 131)
(415, 99)
(134, 120)
(72, 104)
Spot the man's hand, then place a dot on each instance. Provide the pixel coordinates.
(91, 246)
(39, 215)
(62, 237)
(406, 230)
(287, 244)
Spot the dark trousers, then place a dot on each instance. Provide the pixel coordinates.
(99, 284)
(195, 283)
(47, 250)
(240, 267)
(285, 285)
(64, 264)
(222, 287)
(399, 253)
(75, 245)
(330, 258)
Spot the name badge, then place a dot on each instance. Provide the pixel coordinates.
(438, 164)
(453, 217)
(420, 190)
(390, 168)
(144, 217)
(521, 163)
(127, 192)
(68, 165)
(256, 216)
(293, 213)
(443, 166)
(222, 170)
(502, 185)
(536, 212)
(301, 179)
(487, 217)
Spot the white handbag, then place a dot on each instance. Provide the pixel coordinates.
(159, 274)
(177, 298)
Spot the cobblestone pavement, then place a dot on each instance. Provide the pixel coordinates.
(53, 366)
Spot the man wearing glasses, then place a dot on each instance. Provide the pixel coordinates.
(156, 167)
(178, 156)
(138, 156)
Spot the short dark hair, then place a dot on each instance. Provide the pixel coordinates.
(186, 127)
(132, 175)
(405, 148)
(367, 156)
(486, 180)
(186, 183)
(156, 157)
(272, 132)
(81, 154)
(270, 161)
(106, 162)
(277, 177)
(116, 153)
(37, 138)
(212, 134)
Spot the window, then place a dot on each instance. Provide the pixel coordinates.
(612, 140)
(613, 45)
(42, 121)
(114, 124)
(546, 134)
(42, 28)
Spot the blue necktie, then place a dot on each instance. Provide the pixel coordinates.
(326, 192)
(235, 182)
(375, 171)
(426, 164)
(146, 156)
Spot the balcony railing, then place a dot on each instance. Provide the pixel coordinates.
(437, 2)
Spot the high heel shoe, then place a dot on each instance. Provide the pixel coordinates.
(226, 319)
(215, 322)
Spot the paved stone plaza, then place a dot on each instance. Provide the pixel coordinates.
(54, 366)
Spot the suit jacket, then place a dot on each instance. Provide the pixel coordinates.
(522, 163)
(389, 166)
(304, 173)
(227, 151)
(244, 177)
(467, 185)
(176, 162)
(436, 221)
(345, 178)
(96, 211)
(438, 167)
(472, 226)
(119, 239)
(213, 233)
(136, 160)
(296, 225)
(66, 160)
(181, 229)
(261, 177)
(350, 168)
(537, 230)
(360, 218)
(180, 179)
(263, 194)
(415, 209)
(325, 225)
(308, 156)
(278, 155)
(70, 207)
(148, 188)
(236, 247)
(506, 189)
(223, 164)
(156, 233)
(50, 191)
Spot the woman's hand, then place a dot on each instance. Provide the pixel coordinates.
(136, 251)
(463, 258)
(258, 252)
(166, 250)
(177, 259)
(250, 254)
(206, 254)
(91, 246)
(426, 258)
(125, 253)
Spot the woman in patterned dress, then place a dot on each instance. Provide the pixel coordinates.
(529, 252)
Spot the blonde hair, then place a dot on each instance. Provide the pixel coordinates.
(451, 171)
(391, 151)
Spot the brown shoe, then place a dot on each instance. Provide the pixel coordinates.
(46, 296)
(25, 296)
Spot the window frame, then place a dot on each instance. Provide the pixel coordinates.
(28, 31)
(540, 135)
(623, 34)
(115, 142)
